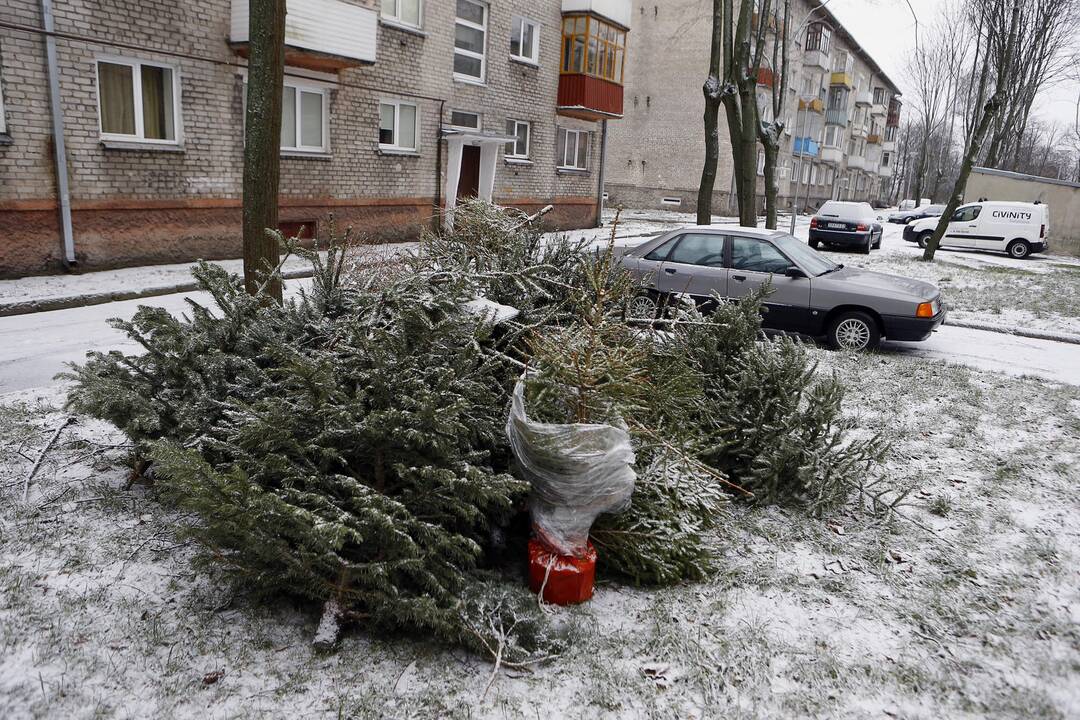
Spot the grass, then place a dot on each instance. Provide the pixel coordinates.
(104, 614)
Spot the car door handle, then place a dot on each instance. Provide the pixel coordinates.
(670, 271)
(740, 278)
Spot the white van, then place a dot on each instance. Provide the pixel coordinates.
(1016, 228)
(907, 205)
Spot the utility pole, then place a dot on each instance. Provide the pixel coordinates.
(262, 142)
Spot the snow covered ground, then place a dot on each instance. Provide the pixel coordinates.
(964, 604)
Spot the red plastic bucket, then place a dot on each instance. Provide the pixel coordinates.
(565, 579)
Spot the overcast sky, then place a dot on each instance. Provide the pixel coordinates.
(886, 29)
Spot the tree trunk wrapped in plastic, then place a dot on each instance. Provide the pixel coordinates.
(577, 471)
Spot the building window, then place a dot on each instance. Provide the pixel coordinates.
(470, 40)
(465, 120)
(519, 147)
(525, 40)
(137, 101)
(885, 158)
(572, 149)
(398, 123)
(303, 117)
(592, 47)
(834, 136)
(818, 36)
(406, 12)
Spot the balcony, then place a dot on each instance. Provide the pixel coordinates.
(324, 35)
(765, 77)
(858, 130)
(836, 116)
(885, 171)
(832, 155)
(815, 105)
(873, 139)
(856, 162)
(589, 98)
(617, 11)
(816, 59)
(845, 79)
(864, 98)
(888, 146)
(877, 110)
(804, 146)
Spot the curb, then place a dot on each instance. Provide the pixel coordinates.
(74, 301)
(1019, 332)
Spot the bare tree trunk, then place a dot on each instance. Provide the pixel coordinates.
(772, 190)
(712, 90)
(262, 143)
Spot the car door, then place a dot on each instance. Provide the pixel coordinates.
(695, 265)
(754, 261)
(962, 229)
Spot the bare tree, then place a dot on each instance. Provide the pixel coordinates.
(770, 131)
(997, 38)
(262, 143)
(732, 82)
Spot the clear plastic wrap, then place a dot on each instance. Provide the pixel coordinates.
(577, 471)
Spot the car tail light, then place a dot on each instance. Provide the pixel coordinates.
(813, 223)
(1042, 231)
(925, 310)
(862, 227)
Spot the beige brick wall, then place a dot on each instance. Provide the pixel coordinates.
(354, 180)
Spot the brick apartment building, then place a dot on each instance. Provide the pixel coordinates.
(393, 109)
(841, 114)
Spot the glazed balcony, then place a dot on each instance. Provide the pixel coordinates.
(593, 57)
(832, 155)
(864, 97)
(836, 116)
(816, 59)
(324, 35)
(878, 110)
(843, 79)
(856, 162)
(804, 146)
(873, 139)
(815, 105)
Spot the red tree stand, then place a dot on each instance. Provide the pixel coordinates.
(565, 579)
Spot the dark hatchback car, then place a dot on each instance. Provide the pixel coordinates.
(905, 216)
(846, 224)
(811, 295)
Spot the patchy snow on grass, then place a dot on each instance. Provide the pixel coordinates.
(963, 603)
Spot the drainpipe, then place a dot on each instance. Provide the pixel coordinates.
(436, 222)
(603, 160)
(58, 136)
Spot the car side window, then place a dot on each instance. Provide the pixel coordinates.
(705, 249)
(966, 214)
(660, 254)
(757, 256)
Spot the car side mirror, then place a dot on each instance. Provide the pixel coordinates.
(794, 272)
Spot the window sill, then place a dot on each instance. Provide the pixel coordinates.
(6, 139)
(410, 29)
(467, 80)
(571, 171)
(525, 61)
(521, 162)
(399, 152)
(136, 146)
(293, 155)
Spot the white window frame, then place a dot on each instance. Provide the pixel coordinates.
(479, 119)
(577, 143)
(136, 90)
(534, 59)
(395, 18)
(301, 86)
(482, 57)
(396, 146)
(528, 140)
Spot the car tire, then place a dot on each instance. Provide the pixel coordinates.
(643, 306)
(854, 330)
(865, 249)
(814, 243)
(924, 239)
(1019, 249)
(877, 244)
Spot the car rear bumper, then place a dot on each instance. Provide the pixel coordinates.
(910, 329)
(1039, 247)
(840, 237)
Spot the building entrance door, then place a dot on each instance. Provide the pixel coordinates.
(469, 179)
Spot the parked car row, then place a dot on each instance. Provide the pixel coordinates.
(810, 295)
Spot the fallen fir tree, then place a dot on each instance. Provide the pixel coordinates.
(348, 446)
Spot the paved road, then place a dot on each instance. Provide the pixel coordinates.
(33, 348)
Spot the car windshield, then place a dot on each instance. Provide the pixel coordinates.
(813, 262)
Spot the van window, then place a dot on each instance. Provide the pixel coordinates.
(966, 214)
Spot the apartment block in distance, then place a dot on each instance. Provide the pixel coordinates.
(392, 111)
(841, 113)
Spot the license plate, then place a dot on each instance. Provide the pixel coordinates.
(836, 226)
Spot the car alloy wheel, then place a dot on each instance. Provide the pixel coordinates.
(852, 334)
(642, 307)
